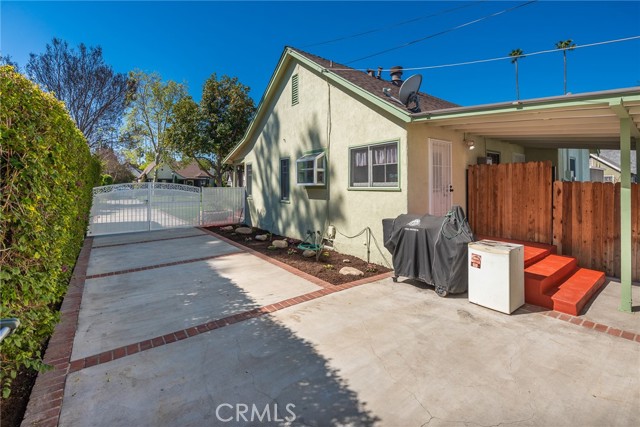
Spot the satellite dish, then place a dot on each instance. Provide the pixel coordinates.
(409, 92)
(410, 88)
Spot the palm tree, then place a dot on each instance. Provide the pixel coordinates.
(565, 45)
(516, 54)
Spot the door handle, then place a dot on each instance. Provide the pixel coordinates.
(450, 188)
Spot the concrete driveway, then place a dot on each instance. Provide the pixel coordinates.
(179, 328)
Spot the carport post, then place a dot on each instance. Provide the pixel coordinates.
(625, 214)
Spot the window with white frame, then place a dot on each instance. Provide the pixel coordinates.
(374, 165)
(311, 169)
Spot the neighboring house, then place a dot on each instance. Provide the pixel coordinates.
(134, 171)
(605, 166)
(329, 147)
(191, 174)
(571, 164)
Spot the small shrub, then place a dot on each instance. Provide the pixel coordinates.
(291, 251)
(328, 266)
(371, 268)
(106, 179)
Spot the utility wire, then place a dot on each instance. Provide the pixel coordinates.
(501, 58)
(388, 27)
(457, 27)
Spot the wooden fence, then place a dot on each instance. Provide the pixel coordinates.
(520, 201)
(586, 224)
(511, 200)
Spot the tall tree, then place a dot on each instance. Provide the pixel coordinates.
(564, 46)
(516, 54)
(93, 93)
(151, 113)
(210, 130)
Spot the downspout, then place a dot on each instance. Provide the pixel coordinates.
(328, 157)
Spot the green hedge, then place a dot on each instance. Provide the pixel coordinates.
(47, 174)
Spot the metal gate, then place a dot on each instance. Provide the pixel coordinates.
(128, 208)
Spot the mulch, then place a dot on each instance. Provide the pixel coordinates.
(326, 268)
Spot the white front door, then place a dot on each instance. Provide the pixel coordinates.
(440, 183)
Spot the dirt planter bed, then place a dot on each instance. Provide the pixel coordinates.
(327, 267)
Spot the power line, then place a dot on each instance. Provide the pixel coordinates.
(501, 58)
(457, 27)
(388, 27)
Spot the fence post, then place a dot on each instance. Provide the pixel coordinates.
(149, 194)
(625, 215)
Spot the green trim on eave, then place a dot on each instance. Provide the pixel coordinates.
(289, 55)
(604, 99)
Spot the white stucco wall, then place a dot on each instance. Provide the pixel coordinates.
(325, 118)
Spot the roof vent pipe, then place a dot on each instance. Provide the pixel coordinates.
(370, 72)
(379, 73)
(396, 75)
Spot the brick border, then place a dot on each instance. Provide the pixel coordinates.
(153, 267)
(313, 279)
(147, 241)
(45, 401)
(171, 337)
(575, 320)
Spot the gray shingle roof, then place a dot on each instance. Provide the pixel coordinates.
(374, 85)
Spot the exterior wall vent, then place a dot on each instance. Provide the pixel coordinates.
(295, 96)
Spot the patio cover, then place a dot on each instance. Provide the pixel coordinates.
(607, 119)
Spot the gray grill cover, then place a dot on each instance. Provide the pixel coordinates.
(431, 249)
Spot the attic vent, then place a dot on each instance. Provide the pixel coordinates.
(294, 90)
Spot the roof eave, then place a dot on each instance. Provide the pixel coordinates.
(608, 96)
(288, 55)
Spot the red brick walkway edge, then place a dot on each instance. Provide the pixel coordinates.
(599, 327)
(46, 396)
(45, 402)
(182, 334)
(146, 241)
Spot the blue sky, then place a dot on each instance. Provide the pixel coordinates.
(187, 41)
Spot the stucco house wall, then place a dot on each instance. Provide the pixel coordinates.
(325, 118)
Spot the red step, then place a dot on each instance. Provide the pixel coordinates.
(577, 290)
(533, 255)
(555, 282)
(550, 271)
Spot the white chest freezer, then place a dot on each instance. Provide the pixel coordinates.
(496, 275)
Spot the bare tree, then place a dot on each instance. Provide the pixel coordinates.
(93, 93)
(150, 114)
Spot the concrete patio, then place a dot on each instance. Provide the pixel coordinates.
(182, 328)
